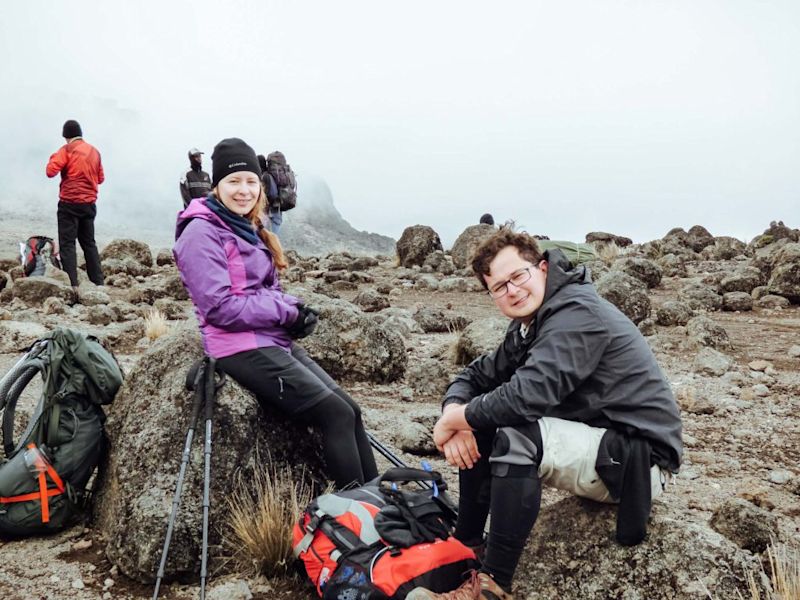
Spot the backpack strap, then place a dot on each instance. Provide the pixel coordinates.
(9, 401)
(44, 469)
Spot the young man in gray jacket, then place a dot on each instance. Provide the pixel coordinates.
(573, 398)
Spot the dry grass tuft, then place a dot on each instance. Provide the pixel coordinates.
(607, 252)
(155, 325)
(784, 583)
(263, 511)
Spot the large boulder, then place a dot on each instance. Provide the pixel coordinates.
(643, 269)
(626, 293)
(608, 238)
(350, 344)
(724, 248)
(480, 337)
(18, 336)
(785, 277)
(702, 331)
(698, 238)
(466, 243)
(35, 290)
(673, 312)
(435, 320)
(121, 249)
(572, 554)
(700, 297)
(416, 243)
(147, 429)
(743, 279)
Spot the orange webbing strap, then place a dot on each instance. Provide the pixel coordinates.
(43, 494)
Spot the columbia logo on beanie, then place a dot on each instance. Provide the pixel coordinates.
(230, 156)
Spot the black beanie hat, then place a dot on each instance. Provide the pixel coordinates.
(230, 156)
(71, 129)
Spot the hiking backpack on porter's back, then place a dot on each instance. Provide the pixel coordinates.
(44, 474)
(284, 178)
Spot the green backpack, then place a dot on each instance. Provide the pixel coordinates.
(576, 253)
(44, 475)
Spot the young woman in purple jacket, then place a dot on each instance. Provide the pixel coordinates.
(229, 263)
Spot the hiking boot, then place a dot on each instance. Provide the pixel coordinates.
(76, 296)
(479, 586)
(468, 590)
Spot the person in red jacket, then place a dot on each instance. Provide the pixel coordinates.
(81, 172)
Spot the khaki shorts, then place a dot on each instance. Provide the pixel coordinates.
(570, 451)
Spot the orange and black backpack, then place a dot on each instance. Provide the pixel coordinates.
(379, 541)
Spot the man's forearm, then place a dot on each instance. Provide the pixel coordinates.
(453, 417)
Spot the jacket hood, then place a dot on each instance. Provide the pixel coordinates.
(560, 272)
(197, 209)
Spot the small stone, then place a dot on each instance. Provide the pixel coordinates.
(107, 596)
(761, 390)
(114, 571)
(82, 545)
(759, 365)
(407, 394)
(689, 440)
(794, 351)
(54, 578)
(780, 476)
(108, 583)
(78, 584)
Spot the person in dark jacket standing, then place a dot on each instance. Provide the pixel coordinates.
(229, 263)
(81, 172)
(572, 397)
(195, 183)
(273, 217)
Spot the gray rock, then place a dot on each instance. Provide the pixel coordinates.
(672, 265)
(780, 477)
(745, 524)
(125, 266)
(94, 297)
(785, 278)
(54, 306)
(673, 312)
(17, 336)
(428, 377)
(700, 297)
(627, 293)
(434, 320)
(733, 301)
(773, 301)
(124, 248)
(699, 238)
(416, 243)
(371, 301)
(467, 242)
(230, 590)
(646, 271)
(705, 332)
(294, 274)
(455, 284)
(743, 279)
(35, 290)
(164, 258)
(363, 263)
(602, 236)
(399, 320)
(724, 248)
(426, 282)
(480, 337)
(416, 438)
(648, 326)
(170, 308)
(438, 262)
(350, 344)
(572, 554)
(100, 314)
(147, 429)
(794, 351)
(711, 362)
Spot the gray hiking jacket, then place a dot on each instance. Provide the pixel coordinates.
(581, 360)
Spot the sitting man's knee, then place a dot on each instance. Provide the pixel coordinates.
(517, 451)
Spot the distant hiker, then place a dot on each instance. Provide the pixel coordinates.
(282, 197)
(486, 219)
(574, 375)
(195, 183)
(81, 172)
(273, 216)
(229, 263)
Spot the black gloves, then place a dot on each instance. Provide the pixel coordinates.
(305, 323)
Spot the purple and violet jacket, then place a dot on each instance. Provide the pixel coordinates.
(233, 284)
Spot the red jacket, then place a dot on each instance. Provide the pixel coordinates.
(81, 171)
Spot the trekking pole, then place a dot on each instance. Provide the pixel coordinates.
(211, 386)
(199, 393)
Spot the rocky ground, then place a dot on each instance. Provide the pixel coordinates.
(734, 372)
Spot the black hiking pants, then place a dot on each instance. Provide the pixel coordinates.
(300, 388)
(76, 221)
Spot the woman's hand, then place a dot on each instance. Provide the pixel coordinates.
(461, 450)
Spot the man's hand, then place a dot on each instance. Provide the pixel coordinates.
(461, 450)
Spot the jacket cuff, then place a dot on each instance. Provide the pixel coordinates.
(473, 414)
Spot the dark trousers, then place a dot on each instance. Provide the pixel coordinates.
(300, 388)
(76, 221)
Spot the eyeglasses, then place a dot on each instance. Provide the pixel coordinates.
(517, 278)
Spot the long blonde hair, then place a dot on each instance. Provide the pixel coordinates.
(270, 240)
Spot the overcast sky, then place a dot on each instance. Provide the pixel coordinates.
(631, 117)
